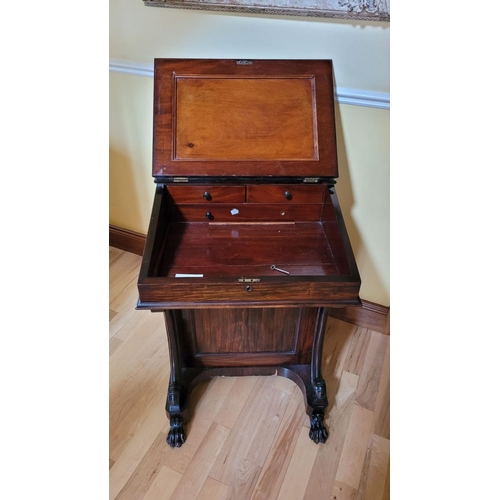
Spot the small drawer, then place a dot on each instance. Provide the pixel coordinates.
(249, 212)
(207, 194)
(282, 193)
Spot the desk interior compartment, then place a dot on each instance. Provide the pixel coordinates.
(206, 260)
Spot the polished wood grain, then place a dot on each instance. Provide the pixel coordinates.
(248, 336)
(317, 254)
(240, 330)
(366, 315)
(357, 351)
(236, 400)
(273, 123)
(248, 212)
(126, 239)
(335, 228)
(240, 462)
(285, 193)
(355, 446)
(217, 248)
(277, 461)
(206, 194)
(374, 473)
(155, 239)
(245, 118)
(219, 118)
(157, 294)
(265, 453)
(369, 378)
(299, 469)
(212, 490)
(164, 484)
(200, 467)
(381, 415)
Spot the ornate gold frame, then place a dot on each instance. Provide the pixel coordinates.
(360, 10)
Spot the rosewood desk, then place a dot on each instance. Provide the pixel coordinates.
(247, 248)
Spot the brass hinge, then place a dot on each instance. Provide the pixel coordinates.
(310, 179)
(249, 280)
(181, 179)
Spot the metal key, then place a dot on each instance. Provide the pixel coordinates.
(274, 268)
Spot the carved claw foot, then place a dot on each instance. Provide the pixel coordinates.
(318, 432)
(176, 436)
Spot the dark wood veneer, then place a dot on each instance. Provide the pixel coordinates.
(168, 129)
(364, 314)
(285, 193)
(246, 249)
(254, 212)
(206, 194)
(127, 240)
(243, 330)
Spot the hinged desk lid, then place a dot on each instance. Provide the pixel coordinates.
(243, 118)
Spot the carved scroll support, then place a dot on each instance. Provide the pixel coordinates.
(176, 400)
(316, 395)
(183, 378)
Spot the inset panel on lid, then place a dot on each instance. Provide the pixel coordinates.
(265, 118)
(253, 118)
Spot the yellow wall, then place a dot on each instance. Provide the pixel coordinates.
(360, 54)
(131, 185)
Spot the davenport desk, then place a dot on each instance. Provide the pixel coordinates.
(247, 248)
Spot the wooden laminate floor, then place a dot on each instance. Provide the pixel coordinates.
(248, 438)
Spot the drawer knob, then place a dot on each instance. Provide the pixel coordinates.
(209, 215)
(288, 195)
(249, 288)
(207, 196)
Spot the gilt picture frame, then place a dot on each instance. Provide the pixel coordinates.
(361, 10)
